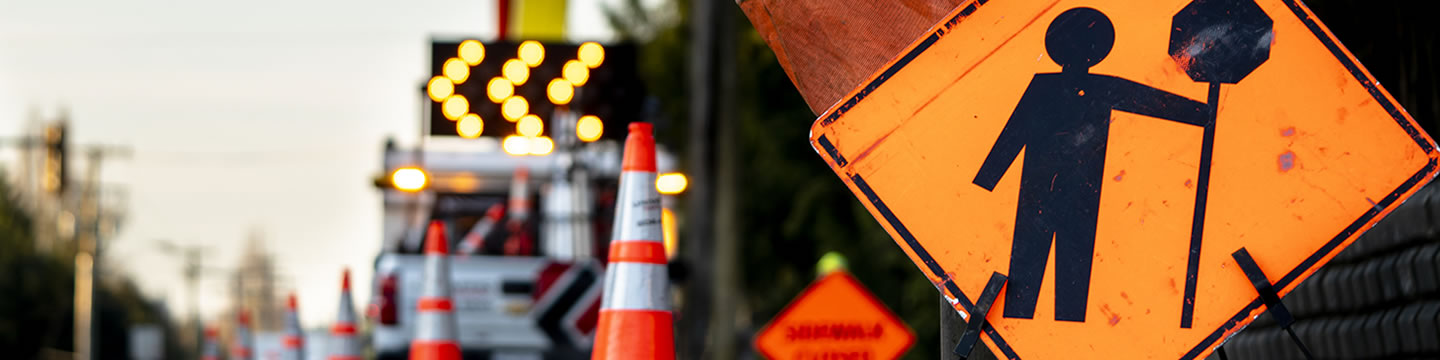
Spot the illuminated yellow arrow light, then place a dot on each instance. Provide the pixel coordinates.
(575, 72)
(516, 71)
(455, 106)
(408, 179)
(440, 88)
(531, 52)
(516, 145)
(592, 54)
(514, 107)
(530, 125)
(560, 92)
(499, 89)
(470, 126)
(472, 52)
(541, 145)
(589, 128)
(456, 70)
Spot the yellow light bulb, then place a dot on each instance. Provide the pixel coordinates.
(669, 230)
(592, 54)
(455, 106)
(456, 70)
(541, 146)
(516, 145)
(589, 128)
(473, 52)
(530, 125)
(499, 89)
(514, 107)
(531, 52)
(408, 179)
(516, 71)
(671, 183)
(576, 72)
(439, 88)
(469, 126)
(560, 92)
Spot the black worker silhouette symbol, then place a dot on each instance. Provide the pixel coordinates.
(1062, 122)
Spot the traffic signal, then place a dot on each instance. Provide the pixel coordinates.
(512, 88)
(54, 175)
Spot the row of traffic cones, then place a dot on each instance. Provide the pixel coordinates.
(343, 345)
(635, 318)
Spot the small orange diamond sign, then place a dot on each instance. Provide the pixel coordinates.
(835, 318)
(1114, 159)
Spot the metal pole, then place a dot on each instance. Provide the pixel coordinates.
(727, 290)
(694, 321)
(950, 329)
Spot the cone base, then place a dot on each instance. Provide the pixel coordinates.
(429, 350)
(634, 334)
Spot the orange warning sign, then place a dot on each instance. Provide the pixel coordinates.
(1109, 157)
(835, 318)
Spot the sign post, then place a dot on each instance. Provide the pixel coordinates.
(1072, 146)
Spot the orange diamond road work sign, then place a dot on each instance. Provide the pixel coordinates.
(835, 318)
(1114, 158)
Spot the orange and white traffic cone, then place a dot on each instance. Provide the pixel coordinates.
(474, 242)
(435, 318)
(211, 349)
(343, 344)
(635, 318)
(520, 241)
(244, 345)
(293, 341)
(520, 195)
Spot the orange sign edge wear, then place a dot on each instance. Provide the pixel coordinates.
(855, 283)
(1284, 283)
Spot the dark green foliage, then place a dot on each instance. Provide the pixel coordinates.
(37, 292)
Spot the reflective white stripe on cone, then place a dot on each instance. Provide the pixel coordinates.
(211, 350)
(243, 348)
(293, 341)
(520, 242)
(474, 241)
(343, 344)
(635, 318)
(520, 195)
(435, 319)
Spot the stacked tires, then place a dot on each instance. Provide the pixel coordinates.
(1377, 299)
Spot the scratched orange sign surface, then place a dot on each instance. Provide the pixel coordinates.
(1109, 156)
(835, 318)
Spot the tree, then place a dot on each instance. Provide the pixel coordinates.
(36, 311)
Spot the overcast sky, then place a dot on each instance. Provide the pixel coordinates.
(261, 114)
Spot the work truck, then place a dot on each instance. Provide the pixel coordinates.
(526, 233)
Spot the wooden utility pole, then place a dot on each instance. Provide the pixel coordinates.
(87, 254)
